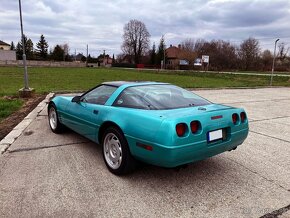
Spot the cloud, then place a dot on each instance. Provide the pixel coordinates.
(100, 23)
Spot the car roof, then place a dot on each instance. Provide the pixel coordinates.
(131, 83)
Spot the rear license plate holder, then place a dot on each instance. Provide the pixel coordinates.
(215, 135)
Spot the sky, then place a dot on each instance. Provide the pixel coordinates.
(100, 23)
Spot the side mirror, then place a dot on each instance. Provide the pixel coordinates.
(76, 99)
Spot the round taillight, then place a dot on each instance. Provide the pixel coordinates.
(235, 118)
(180, 129)
(194, 125)
(243, 116)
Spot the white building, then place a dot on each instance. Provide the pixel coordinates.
(5, 53)
(4, 46)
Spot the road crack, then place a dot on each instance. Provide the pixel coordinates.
(276, 213)
(255, 172)
(273, 137)
(45, 147)
(274, 118)
(253, 101)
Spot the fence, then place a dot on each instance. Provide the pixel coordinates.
(43, 63)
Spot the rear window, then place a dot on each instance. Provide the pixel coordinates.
(158, 97)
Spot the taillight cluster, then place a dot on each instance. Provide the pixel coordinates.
(182, 128)
(236, 118)
(243, 116)
(194, 126)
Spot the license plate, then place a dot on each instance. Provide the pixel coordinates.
(215, 135)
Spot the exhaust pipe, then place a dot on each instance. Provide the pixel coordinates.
(233, 149)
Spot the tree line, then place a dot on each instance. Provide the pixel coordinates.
(41, 52)
(60, 52)
(136, 48)
(248, 55)
(224, 55)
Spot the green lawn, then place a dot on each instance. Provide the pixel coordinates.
(264, 72)
(8, 106)
(45, 80)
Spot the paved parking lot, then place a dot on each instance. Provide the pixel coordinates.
(43, 174)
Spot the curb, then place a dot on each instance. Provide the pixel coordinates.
(17, 130)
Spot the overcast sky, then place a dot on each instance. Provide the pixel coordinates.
(100, 23)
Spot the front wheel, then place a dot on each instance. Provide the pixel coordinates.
(116, 152)
(53, 120)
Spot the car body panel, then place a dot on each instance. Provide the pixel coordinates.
(157, 128)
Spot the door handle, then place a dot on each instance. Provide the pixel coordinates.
(95, 111)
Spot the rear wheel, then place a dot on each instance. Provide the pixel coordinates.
(53, 120)
(116, 152)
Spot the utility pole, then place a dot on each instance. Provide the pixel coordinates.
(164, 52)
(104, 58)
(273, 65)
(87, 55)
(26, 91)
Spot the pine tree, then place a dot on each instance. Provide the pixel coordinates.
(19, 51)
(42, 48)
(58, 53)
(113, 61)
(153, 55)
(12, 46)
(160, 53)
(28, 49)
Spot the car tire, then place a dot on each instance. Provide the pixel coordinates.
(53, 120)
(116, 152)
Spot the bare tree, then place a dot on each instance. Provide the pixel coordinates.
(188, 45)
(282, 51)
(199, 46)
(249, 53)
(136, 39)
(222, 54)
(267, 58)
(188, 52)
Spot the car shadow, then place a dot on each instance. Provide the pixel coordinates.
(203, 171)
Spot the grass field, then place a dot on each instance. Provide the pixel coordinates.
(45, 80)
(73, 79)
(8, 106)
(263, 72)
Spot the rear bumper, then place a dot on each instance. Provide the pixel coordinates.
(172, 156)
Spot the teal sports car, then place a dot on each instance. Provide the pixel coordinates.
(153, 122)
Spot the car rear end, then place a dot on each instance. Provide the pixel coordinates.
(192, 134)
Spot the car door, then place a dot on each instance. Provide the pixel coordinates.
(87, 115)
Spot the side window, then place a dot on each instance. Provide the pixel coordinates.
(99, 95)
(131, 98)
(125, 99)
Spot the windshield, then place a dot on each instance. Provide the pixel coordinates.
(158, 97)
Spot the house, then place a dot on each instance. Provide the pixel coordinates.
(178, 58)
(78, 58)
(4, 46)
(5, 53)
(106, 62)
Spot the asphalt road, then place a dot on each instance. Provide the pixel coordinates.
(47, 175)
